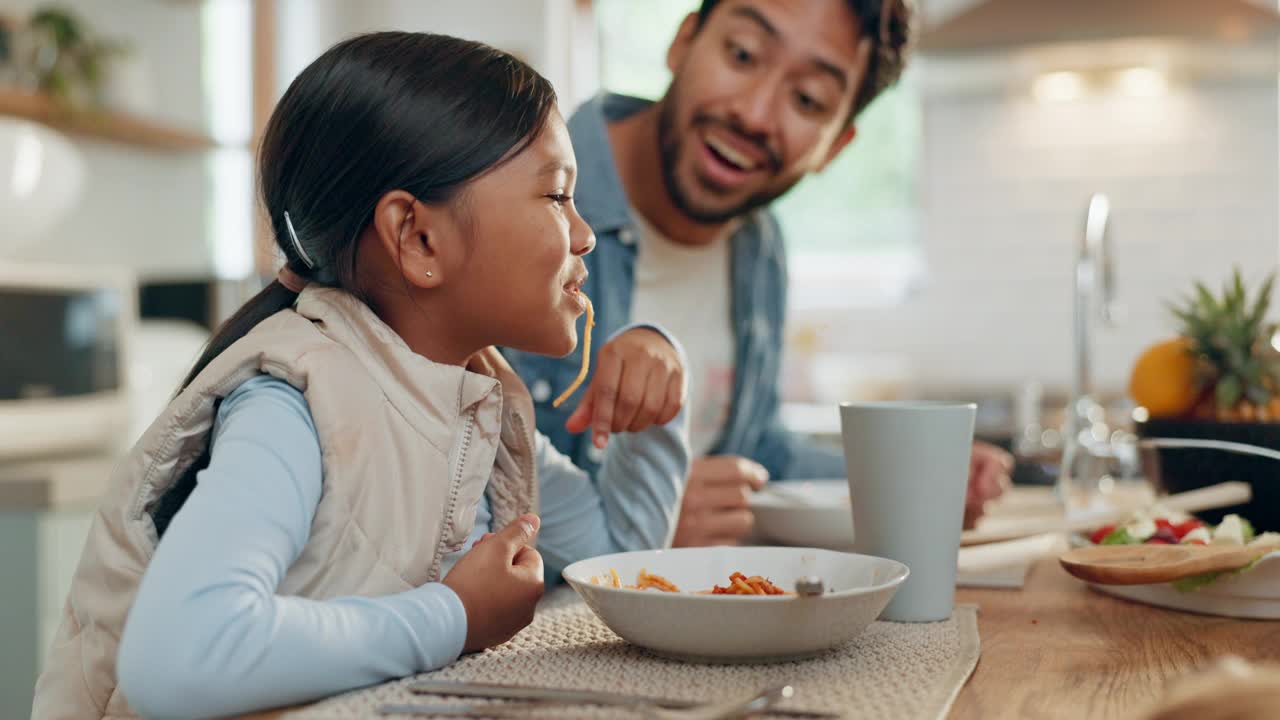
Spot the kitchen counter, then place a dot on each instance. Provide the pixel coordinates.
(54, 483)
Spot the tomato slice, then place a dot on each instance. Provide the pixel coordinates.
(1100, 533)
(1182, 528)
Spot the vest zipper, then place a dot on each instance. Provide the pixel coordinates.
(467, 427)
(528, 466)
(451, 510)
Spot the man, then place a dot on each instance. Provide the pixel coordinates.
(763, 92)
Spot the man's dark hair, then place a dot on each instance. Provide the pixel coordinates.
(888, 24)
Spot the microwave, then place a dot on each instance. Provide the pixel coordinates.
(65, 334)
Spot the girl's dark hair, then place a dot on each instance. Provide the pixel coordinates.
(379, 112)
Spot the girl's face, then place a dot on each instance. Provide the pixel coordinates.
(518, 283)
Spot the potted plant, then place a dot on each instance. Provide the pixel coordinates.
(56, 53)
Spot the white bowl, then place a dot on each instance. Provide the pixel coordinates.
(735, 628)
(809, 513)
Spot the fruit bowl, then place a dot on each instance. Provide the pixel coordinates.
(1174, 470)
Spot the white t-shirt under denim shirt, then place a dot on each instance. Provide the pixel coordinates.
(685, 290)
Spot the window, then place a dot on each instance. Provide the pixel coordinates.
(852, 230)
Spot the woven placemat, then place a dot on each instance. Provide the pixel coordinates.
(892, 671)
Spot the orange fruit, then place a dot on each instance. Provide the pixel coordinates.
(1164, 379)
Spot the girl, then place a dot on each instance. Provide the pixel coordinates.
(304, 517)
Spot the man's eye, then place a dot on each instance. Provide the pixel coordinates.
(808, 102)
(740, 55)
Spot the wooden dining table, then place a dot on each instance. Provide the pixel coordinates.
(1056, 649)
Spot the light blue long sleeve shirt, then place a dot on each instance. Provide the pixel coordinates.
(208, 635)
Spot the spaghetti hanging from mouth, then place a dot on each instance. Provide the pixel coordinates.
(586, 355)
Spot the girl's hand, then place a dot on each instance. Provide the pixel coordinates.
(499, 583)
(639, 382)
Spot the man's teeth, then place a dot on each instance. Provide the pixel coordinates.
(735, 158)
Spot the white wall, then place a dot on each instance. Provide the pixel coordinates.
(1005, 180)
(145, 209)
(551, 35)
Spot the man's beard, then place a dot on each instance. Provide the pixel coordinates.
(669, 145)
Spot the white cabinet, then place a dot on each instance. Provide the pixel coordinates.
(46, 510)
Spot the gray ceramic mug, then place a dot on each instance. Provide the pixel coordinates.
(908, 466)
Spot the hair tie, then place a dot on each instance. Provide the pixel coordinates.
(291, 280)
(297, 244)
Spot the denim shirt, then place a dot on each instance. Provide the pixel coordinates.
(758, 275)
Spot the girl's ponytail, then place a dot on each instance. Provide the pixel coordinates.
(271, 300)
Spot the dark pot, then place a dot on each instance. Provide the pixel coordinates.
(1176, 470)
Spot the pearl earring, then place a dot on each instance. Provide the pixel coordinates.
(430, 274)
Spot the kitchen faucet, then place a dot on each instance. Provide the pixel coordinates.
(1088, 456)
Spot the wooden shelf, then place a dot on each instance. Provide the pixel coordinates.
(101, 124)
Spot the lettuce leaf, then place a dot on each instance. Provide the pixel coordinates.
(1196, 582)
(1119, 536)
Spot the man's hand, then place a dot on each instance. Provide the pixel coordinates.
(715, 510)
(639, 382)
(990, 469)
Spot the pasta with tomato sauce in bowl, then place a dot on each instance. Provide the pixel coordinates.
(735, 604)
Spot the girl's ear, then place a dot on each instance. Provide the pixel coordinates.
(413, 236)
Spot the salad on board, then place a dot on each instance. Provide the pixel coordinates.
(1162, 526)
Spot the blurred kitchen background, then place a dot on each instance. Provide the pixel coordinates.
(942, 256)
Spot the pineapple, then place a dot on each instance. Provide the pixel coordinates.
(1238, 364)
